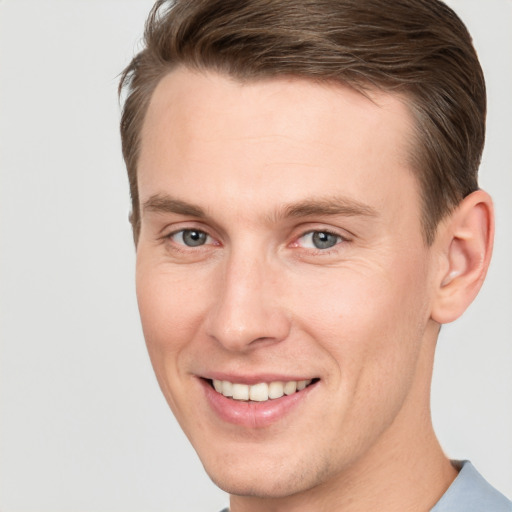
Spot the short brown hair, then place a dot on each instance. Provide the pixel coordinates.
(417, 48)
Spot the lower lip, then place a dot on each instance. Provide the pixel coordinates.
(253, 414)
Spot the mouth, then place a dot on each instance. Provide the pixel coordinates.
(260, 392)
(252, 402)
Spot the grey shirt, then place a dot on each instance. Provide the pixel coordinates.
(469, 492)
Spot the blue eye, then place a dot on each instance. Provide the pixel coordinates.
(320, 240)
(190, 237)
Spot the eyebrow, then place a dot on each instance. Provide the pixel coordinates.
(329, 206)
(159, 203)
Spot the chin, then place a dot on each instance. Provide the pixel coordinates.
(264, 479)
(256, 486)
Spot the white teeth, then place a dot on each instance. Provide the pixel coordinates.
(260, 392)
(290, 387)
(301, 384)
(227, 388)
(275, 390)
(240, 391)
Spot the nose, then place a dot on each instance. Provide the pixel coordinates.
(247, 311)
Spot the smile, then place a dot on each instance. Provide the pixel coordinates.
(252, 402)
(260, 392)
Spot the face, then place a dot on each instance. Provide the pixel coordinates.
(281, 253)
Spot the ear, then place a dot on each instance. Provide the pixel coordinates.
(464, 245)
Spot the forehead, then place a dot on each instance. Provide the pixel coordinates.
(208, 135)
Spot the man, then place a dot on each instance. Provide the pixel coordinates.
(307, 215)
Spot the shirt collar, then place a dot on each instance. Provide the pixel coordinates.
(470, 492)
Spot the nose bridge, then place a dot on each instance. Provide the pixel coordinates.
(246, 309)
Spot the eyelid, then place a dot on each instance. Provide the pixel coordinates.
(308, 228)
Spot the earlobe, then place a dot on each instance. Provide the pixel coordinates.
(464, 243)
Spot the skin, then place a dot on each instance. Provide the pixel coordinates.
(258, 298)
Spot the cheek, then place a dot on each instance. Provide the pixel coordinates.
(170, 312)
(170, 302)
(365, 320)
(370, 329)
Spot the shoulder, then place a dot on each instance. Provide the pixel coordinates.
(470, 492)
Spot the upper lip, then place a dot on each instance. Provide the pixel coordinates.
(254, 378)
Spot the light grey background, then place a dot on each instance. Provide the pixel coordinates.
(83, 426)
